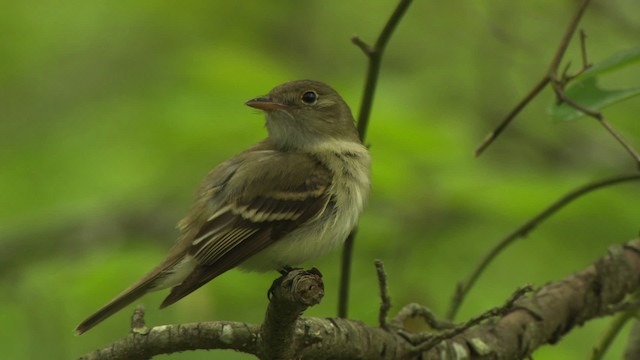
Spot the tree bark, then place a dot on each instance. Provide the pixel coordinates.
(540, 318)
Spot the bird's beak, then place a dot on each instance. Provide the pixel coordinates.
(265, 103)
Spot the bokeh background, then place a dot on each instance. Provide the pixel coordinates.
(112, 112)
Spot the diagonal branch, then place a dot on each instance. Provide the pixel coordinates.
(464, 287)
(534, 320)
(558, 83)
(598, 116)
(548, 77)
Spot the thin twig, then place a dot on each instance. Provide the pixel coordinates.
(428, 341)
(549, 76)
(345, 273)
(598, 116)
(583, 49)
(566, 39)
(385, 300)
(464, 287)
(623, 312)
(630, 305)
(613, 330)
(375, 58)
(374, 54)
(414, 310)
(512, 114)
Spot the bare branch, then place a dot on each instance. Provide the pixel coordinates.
(375, 58)
(464, 287)
(553, 310)
(598, 116)
(427, 341)
(549, 76)
(345, 274)
(512, 114)
(292, 294)
(374, 54)
(385, 300)
(362, 45)
(532, 321)
(583, 49)
(412, 311)
(167, 339)
(566, 39)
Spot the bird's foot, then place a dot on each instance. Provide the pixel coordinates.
(284, 271)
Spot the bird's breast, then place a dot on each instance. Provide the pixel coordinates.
(347, 195)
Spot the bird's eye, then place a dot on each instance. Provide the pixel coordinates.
(310, 97)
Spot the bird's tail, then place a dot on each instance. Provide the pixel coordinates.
(169, 273)
(125, 298)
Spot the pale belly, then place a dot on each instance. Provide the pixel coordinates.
(317, 238)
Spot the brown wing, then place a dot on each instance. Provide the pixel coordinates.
(241, 228)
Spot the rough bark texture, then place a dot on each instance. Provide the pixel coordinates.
(541, 318)
(290, 295)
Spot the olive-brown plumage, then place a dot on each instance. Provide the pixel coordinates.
(286, 200)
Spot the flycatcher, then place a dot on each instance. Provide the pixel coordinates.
(290, 198)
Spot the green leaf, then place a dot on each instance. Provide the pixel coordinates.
(617, 61)
(585, 90)
(588, 94)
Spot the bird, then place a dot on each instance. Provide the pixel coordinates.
(289, 199)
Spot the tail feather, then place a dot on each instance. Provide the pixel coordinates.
(125, 298)
(167, 274)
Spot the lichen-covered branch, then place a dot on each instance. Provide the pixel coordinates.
(541, 318)
(465, 286)
(555, 309)
(168, 339)
(290, 296)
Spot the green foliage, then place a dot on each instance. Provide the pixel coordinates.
(109, 108)
(585, 89)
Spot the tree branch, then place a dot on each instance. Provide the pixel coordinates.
(559, 90)
(546, 79)
(532, 321)
(425, 341)
(374, 54)
(385, 299)
(556, 308)
(168, 339)
(292, 294)
(632, 351)
(464, 287)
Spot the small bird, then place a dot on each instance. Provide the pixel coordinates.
(290, 198)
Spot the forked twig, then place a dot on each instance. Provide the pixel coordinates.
(546, 79)
(426, 341)
(558, 83)
(598, 116)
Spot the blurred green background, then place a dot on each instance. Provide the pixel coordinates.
(112, 112)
